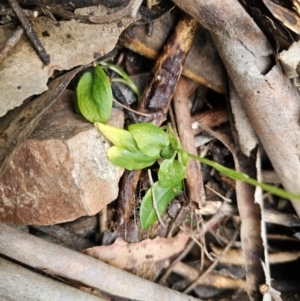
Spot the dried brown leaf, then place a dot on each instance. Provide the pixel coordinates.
(69, 44)
(130, 255)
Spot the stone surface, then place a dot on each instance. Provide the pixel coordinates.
(60, 173)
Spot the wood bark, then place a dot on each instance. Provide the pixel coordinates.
(194, 181)
(19, 283)
(80, 268)
(250, 212)
(202, 64)
(167, 70)
(10, 44)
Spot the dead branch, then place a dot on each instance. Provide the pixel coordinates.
(167, 70)
(210, 118)
(249, 210)
(193, 180)
(202, 63)
(214, 264)
(5, 10)
(81, 268)
(32, 286)
(235, 256)
(45, 58)
(250, 227)
(213, 279)
(11, 43)
(269, 98)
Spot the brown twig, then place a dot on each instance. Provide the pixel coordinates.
(202, 64)
(194, 182)
(167, 70)
(188, 248)
(131, 110)
(80, 268)
(236, 256)
(213, 279)
(126, 199)
(5, 10)
(11, 43)
(250, 213)
(197, 281)
(33, 286)
(45, 58)
(210, 118)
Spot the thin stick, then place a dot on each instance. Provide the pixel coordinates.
(205, 228)
(33, 286)
(5, 10)
(103, 220)
(45, 58)
(188, 248)
(11, 43)
(197, 281)
(199, 244)
(80, 268)
(131, 110)
(154, 199)
(193, 181)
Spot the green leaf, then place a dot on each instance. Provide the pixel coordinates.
(173, 138)
(125, 78)
(167, 152)
(240, 176)
(170, 172)
(130, 84)
(149, 138)
(129, 160)
(163, 197)
(118, 137)
(94, 96)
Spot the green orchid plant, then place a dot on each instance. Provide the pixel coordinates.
(143, 144)
(94, 93)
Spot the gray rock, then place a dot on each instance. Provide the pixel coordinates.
(60, 173)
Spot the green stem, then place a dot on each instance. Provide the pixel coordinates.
(239, 176)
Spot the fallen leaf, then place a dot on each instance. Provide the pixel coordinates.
(69, 44)
(130, 255)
